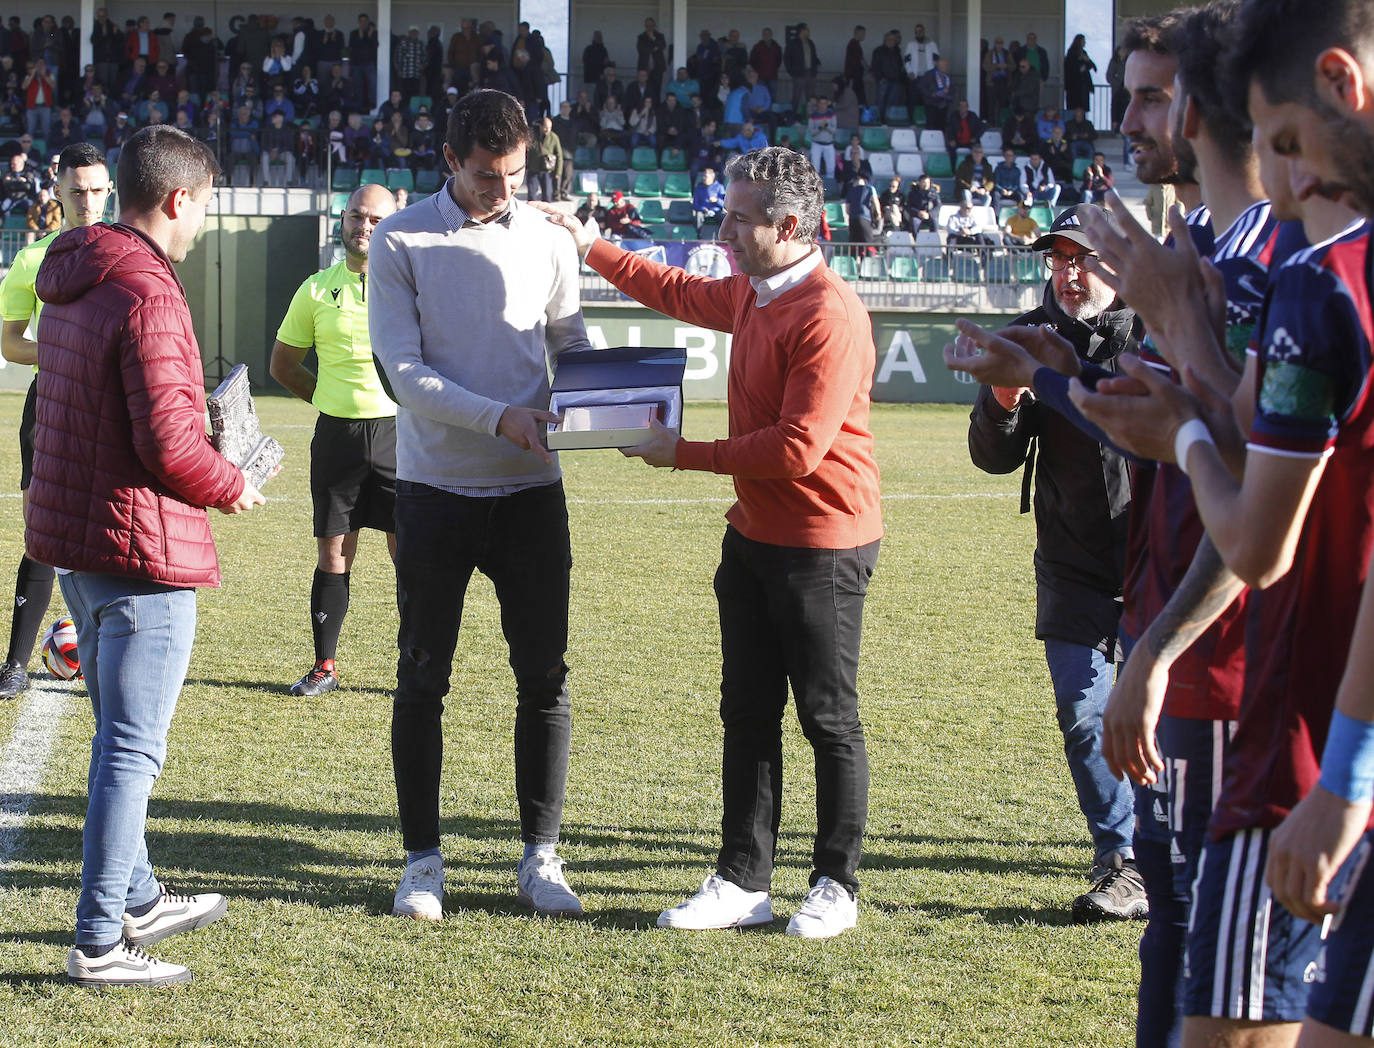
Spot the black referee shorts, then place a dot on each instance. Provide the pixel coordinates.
(27, 423)
(353, 475)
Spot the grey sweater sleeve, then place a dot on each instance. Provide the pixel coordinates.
(393, 319)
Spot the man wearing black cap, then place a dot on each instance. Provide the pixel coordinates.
(1082, 496)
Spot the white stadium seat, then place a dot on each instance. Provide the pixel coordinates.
(909, 165)
(904, 140)
(882, 165)
(932, 141)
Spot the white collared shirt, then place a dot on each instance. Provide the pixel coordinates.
(768, 288)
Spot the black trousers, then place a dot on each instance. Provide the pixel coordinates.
(521, 543)
(791, 615)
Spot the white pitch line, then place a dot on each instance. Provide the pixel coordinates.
(25, 757)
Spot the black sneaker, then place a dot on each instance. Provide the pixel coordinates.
(14, 679)
(319, 680)
(1118, 893)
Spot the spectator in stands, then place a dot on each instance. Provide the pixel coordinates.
(357, 141)
(1020, 229)
(243, 137)
(923, 205)
(965, 228)
(863, 210)
(238, 89)
(937, 94)
(708, 199)
(892, 205)
(612, 120)
(534, 93)
(748, 139)
(854, 165)
(1025, 88)
(586, 120)
(1060, 157)
(734, 56)
(278, 144)
(409, 59)
(32, 159)
(252, 101)
(65, 131)
(276, 65)
(155, 110)
(643, 125)
(543, 162)
(97, 111)
(766, 58)
(637, 92)
(337, 92)
(398, 141)
(424, 144)
(1116, 78)
(683, 87)
(115, 136)
(592, 210)
(107, 48)
(889, 74)
(821, 127)
(332, 133)
(434, 62)
(19, 187)
(845, 104)
(651, 48)
(758, 102)
(19, 43)
(622, 219)
(279, 103)
(498, 76)
(1081, 134)
(1097, 180)
(1078, 74)
(161, 79)
(803, 66)
(1019, 131)
(595, 59)
(305, 92)
(12, 105)
(1040, 179)
(608, 87)
(379, 145)
(1047, 121)
(964, 129)
(706, 151)
(394, 104)
(973, 178)
(329, 45)
(47, 178)
(464, 50)
(565, 127)
(919, 59)
(362, 61)
(141, 43)
(40, 92)
(183, 102)
(855, 66)
(997, 66)
(705, 62)
(1036, 57)
(1008, 183)
(673, 123)
(201, 50)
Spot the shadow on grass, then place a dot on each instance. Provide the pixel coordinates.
(279, 687)
(36, 978)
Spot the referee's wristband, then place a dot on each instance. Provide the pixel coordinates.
(1348, 760)
(1190, 433)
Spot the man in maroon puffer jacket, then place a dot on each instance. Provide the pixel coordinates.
(123, 471)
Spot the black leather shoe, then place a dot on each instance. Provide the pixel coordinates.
(14, 679)
(319, 680)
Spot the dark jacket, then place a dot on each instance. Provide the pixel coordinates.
(1082, 489)
(123, 467)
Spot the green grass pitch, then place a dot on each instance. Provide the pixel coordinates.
(974, 849)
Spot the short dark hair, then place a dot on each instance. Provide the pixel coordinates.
(1155, 33)
(490, 120)
(788, 185)
(79, 154)
(157, 161)
(1278, 41)
(1202, 40)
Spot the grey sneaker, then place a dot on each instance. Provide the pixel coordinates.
(1118, 893)
(125, 965)
(14, 680)
(173, 914)
(544, 889)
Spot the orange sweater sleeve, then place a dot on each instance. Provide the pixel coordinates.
(670, 290)
(824, 369)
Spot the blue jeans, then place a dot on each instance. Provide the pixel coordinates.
(1082, 682)
(134, 637)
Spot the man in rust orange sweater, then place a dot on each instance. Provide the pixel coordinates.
(802, 539)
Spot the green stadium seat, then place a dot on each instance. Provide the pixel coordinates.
(614, 158)
(615, 182)
(999, 270)
(644, 159)
(874, 138)
(845, 266)
(871, 268)
(646, 184)
(839, 232)
(842, 137)
(680, 212)
(936, 270)
(834, 213)
(673, 160)
(584, 157)
(677, 184)
(918, 116)
(427, 180)
(651, 211)
(1044, 217)
(903, 268)
(372, 175)
(400, 178)
(345, 180)
(685, 233)
(964, 268)
(795, 131)
(1080, 167)
(1029, 268)
(336, 233)
(416, 101)
(937, 165)
(17, 219)
(337, 202)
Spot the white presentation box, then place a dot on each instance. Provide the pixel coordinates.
(609, 398)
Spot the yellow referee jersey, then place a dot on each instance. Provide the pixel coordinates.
(17, 299)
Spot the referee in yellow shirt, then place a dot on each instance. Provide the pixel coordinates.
(83, 187)
(353, 455)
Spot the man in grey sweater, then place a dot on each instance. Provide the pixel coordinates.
(473, 296)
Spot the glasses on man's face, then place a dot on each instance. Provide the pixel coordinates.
(1058, 261)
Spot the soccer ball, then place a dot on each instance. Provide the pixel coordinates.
(59, 650)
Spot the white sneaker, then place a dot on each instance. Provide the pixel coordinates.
(827, 910)
(173, 914)
(125, 965)
(421, 894)
(544, 888)
(719, 904)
